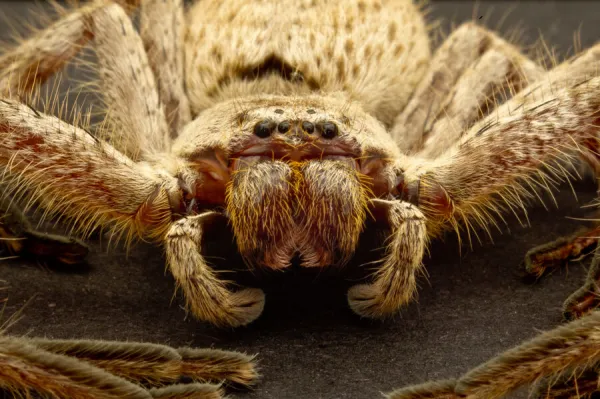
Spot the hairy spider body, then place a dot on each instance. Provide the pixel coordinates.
(293, 129)
(237, 49)
(292, 121)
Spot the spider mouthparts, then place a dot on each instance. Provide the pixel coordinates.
(205, 183)
(214, 164)
(373, 167)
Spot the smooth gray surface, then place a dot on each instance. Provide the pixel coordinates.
(310, 344)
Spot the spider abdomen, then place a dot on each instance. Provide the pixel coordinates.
(360, 47)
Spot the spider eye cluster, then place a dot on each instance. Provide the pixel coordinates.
(327, 129)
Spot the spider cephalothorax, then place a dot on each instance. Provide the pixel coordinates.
(298, 176)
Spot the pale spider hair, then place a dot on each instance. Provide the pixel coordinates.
(294, 130)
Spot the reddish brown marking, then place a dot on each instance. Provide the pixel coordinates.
(374, 167)
(212, 166)
(433, 195)
(30, 139)
(555, 256)
(212, 191)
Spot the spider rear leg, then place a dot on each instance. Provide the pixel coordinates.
(559, 358)
(110, 370)
(394, 282)
(21, 239)
(137, 122)
(25, 368)
(471, 68)
(207, 297)
(557, 253)
(153, 365)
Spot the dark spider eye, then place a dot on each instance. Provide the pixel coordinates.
(283, 127)
(264, 129)
(329, 130)
(308, 127)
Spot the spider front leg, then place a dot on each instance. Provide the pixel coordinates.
(162, 27)
(74, 175)
(25, 369)
(395, 280)
(207, 296)
(528, 145)
(153, 365)
(562, 250)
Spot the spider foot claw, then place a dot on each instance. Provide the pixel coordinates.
(246, 305)
(368, 300)
(235, 310)
(233, 368)
(539, 260)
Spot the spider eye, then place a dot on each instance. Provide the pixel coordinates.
(264, 129)
(308, 127)
(283, 127)
(329, 130)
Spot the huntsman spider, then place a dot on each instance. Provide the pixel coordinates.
(294, 122)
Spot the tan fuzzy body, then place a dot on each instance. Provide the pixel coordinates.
(294, 122)
(332, 46)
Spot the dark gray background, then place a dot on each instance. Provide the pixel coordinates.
(471, 307)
